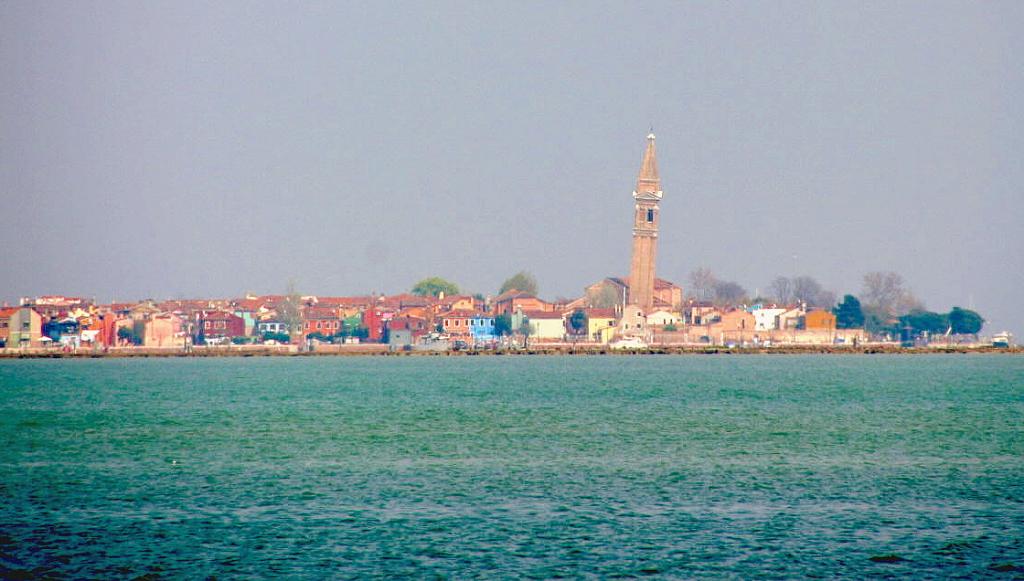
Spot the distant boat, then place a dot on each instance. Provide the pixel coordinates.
(629, 343)
(1001, 339)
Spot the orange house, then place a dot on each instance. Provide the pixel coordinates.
(458, 303)
(735, 325)
(819, 320)
(457, 323)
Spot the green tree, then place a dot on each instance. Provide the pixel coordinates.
(279, 337)
(578, 322)
(876, 320)
(525, 330)
(925, 321)
(434, 286)
(849, 314)
(520, 281)
(503, 325)
(965, 321)
(130, 334)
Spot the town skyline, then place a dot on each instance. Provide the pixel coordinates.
(163, 151)
(631, 312)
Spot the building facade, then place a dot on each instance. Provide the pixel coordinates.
(25, 328)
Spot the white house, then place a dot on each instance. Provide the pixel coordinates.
(661, 317)
(767, 319)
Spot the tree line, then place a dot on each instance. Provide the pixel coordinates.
(885, 303)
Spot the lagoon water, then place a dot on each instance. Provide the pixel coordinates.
(769, 466)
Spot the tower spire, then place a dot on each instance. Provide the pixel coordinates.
(648, 180)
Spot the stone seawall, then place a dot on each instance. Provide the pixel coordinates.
(374, 349)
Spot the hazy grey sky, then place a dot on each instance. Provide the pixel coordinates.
(209, 149)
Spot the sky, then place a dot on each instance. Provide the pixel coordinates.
(187, 149)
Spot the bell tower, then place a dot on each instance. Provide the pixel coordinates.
(647, 196)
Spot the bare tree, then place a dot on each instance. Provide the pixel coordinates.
(802, 289)
(808, 290)
(729, 293)
(826, 300)
(781, 290)
(702, 284)
(885, 292)
(606, 297)
(907, 303)
(289, 312)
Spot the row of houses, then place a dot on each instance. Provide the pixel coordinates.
(403, 320)
(73, 322)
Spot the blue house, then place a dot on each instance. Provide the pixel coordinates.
(482, 328)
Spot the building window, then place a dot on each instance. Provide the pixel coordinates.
(650, 215)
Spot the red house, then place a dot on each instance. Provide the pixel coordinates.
(220, 324)
(375, 319)
(323, 320)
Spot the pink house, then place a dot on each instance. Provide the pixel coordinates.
(164, 330)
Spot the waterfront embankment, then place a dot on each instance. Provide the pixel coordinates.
(560, 349)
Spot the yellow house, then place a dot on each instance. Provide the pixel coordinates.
(546, 325)
(600, 325)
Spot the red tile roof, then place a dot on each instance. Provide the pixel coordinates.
(344, 301)
(513, 294)
(542, 314)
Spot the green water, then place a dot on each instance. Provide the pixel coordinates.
(701, 466)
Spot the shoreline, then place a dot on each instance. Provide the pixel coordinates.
(373, 350)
